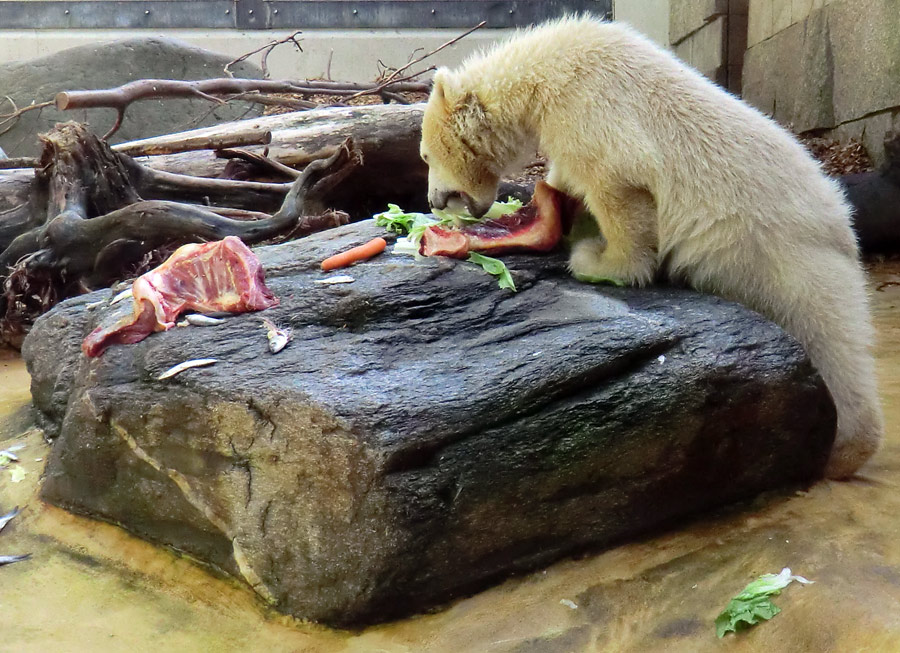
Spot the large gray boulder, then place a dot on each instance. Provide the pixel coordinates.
(110, 64)
(425, 433)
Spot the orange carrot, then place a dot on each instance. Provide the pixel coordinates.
(372, 248)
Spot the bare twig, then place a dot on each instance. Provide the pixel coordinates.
(413, 54)
(265, 58)
(260, 160)
(120, 115)
(275, 101)
(16, 112)
(266, 50)
(396, 74)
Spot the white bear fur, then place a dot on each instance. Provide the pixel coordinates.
(683, 179)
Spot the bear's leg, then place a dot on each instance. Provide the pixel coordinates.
(627, 252)
(818, 295)
(826, 310)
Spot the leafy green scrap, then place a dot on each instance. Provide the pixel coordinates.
(753, 604)
(495, 267)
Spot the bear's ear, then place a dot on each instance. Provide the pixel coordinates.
(444, 86)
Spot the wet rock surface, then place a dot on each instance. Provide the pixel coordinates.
(425, 433)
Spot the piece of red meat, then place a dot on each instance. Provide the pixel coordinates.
(536, 227)
(221, 276)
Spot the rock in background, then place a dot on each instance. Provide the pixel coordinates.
(107, 65)
(425, 433)
(875, 197)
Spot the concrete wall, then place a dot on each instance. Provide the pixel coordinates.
(353, 52)
(711, 35)
(830, 67)
(651, 17)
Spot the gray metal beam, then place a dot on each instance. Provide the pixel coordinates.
(285, 14)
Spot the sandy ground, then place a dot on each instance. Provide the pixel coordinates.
(92, 587)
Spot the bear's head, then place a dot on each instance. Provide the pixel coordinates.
(462, 148)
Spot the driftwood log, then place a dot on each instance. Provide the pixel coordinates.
(89, 215)
(386, 135)
(100, 214)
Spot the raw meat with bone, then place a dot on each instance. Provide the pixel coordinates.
(221, 276)
(536, 227)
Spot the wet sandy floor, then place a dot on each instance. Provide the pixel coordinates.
(92, 587)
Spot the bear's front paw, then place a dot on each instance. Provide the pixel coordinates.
(594, 262)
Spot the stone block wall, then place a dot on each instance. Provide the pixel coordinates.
(826, 66)
(711, 35)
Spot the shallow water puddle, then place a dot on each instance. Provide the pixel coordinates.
(92, 587)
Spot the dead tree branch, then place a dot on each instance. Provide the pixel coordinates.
(221, 90)
(260, 160)
(275, 101)
(266, 50)
(97, 223)
(393, 77)
(192, 143)
(20, 162)
(388, 136)
(88, 215)
(13, 116)
(229, 192)
(211, 89)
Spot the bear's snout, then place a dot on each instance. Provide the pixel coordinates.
(455, 201)
(438, 198)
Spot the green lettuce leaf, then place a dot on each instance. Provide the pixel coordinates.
(413, 224)
(448, 218)
(495, 267)
(752, 605)
(402, 222)
(499, 209)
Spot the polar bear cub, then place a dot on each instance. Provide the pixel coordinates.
(684, 181)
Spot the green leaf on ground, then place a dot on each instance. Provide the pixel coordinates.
(752, 605)
(495, 267)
